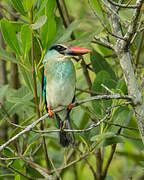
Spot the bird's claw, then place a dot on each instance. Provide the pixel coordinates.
(70, 106)
(50, 112)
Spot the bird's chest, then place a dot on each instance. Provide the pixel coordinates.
(59, 71)
(60, 83)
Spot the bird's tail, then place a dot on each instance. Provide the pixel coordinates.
(65, 138)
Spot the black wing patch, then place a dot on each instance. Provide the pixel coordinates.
(44, 88)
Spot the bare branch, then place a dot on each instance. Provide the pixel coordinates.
(105, 27)
(90, 92)
(115, 13)
(31, 126)
(40, 169)
(122, 5)
(132, 27)
(103, 42)
(73, 162)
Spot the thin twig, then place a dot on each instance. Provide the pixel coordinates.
(57, 173)
(8, 158)
(86, 73)
(90, 92)
(98, 163)
(103, 42)
(105, 27)
(18, 172)
(115, 13)
(113, 148)
(132, 27)
(73, 162)
(130, 137)
(139, 48)
(107, 89)
(40, 169)
(121, 126)
(122, 5)
(61, 13)
(92, 169)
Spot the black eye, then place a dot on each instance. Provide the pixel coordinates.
(58, 48)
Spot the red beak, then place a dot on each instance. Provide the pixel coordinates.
(78, 51)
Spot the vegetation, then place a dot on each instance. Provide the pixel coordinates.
(108, 116)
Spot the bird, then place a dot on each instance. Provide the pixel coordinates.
(59, 84)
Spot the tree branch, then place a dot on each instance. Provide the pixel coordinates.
(126, 59)
(31, 126)
(122, 5)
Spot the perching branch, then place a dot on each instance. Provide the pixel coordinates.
(31, 126)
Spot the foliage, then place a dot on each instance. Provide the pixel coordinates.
(39, 24)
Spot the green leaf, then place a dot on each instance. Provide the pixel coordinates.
(6, 56)
(17, 25)
(87, 37)
(27, 78)
(21, 95)
(9, 35)
(19, 6)
(135, 156)
(40, 22)
(17, 177)
(3, 91)
(24, 123)
(3, 176)
(59, 29)
(102, 77)
(28, 4)
(48, 30)
(102, 136)
(42, 6)
(121, 116)
(121, 86)
(96, 7)
(38, 51)
(100, 64)
(110, 141)
(26, 38)
(66, 35)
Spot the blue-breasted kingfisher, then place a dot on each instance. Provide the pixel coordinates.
(58, 86)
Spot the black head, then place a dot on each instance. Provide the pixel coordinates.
(59, 48)
(69, 50)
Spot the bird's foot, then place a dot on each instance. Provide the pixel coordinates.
(70, 106)
(50, 112)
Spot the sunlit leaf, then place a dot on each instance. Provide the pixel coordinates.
(100, 64)
(121, 116)
(40, 22)
(3, 91)
(28, 4)
(102, 77)
(48, 30)
(66, 35)
(110, 141)
(10, 37)
(19, 6)
(26, 38)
